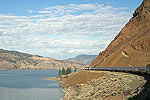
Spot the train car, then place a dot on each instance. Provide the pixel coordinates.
(136, 70)
(86, 68)
(142, 70)
(148, 69)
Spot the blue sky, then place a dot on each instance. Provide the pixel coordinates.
(19, 7)
(62, 28)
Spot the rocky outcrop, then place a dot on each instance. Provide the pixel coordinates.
(83, 59)
(17, 60)
(131, 46)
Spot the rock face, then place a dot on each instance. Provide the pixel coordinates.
(83, 59)
(131, 47)
(17, 60)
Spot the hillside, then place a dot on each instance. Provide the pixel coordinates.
(83, 59)
(17, 60)
(131, 46)
(100, 85)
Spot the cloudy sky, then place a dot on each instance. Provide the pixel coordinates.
(62, 28)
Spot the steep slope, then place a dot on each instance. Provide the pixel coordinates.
(17, 60)
(83, 59)
(131, 46)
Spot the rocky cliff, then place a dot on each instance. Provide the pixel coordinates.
(17, 60)
(83, 59)
(131, 47)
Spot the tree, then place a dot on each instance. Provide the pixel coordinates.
(70, 70)
(67, 71)
(75, 69)
(63, 71)
(60, 72)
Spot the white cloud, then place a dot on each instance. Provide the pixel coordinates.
(63, 31)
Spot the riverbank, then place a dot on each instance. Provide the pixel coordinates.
(100, 85)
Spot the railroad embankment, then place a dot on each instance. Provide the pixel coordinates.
(100, 85)
(145, 93)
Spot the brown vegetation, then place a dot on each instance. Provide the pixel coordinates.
(81, 77)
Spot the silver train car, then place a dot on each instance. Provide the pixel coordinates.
(137, 70)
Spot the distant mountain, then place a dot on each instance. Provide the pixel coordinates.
(17, 60)
(131, 47)
(83, 59)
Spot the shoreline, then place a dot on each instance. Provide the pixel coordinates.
(102, 87)
(65, 89)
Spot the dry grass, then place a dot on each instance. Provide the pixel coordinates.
(82, 77)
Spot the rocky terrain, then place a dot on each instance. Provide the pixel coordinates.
(98, 85)
(131, 46)
(17, 60)
(83, 59)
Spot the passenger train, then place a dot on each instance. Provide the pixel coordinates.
(137, 70)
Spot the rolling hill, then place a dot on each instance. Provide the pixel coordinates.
(17, 60)
(83, 59)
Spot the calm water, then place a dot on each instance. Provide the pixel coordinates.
(29, 85)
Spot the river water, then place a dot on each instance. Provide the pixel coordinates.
(29, 85)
